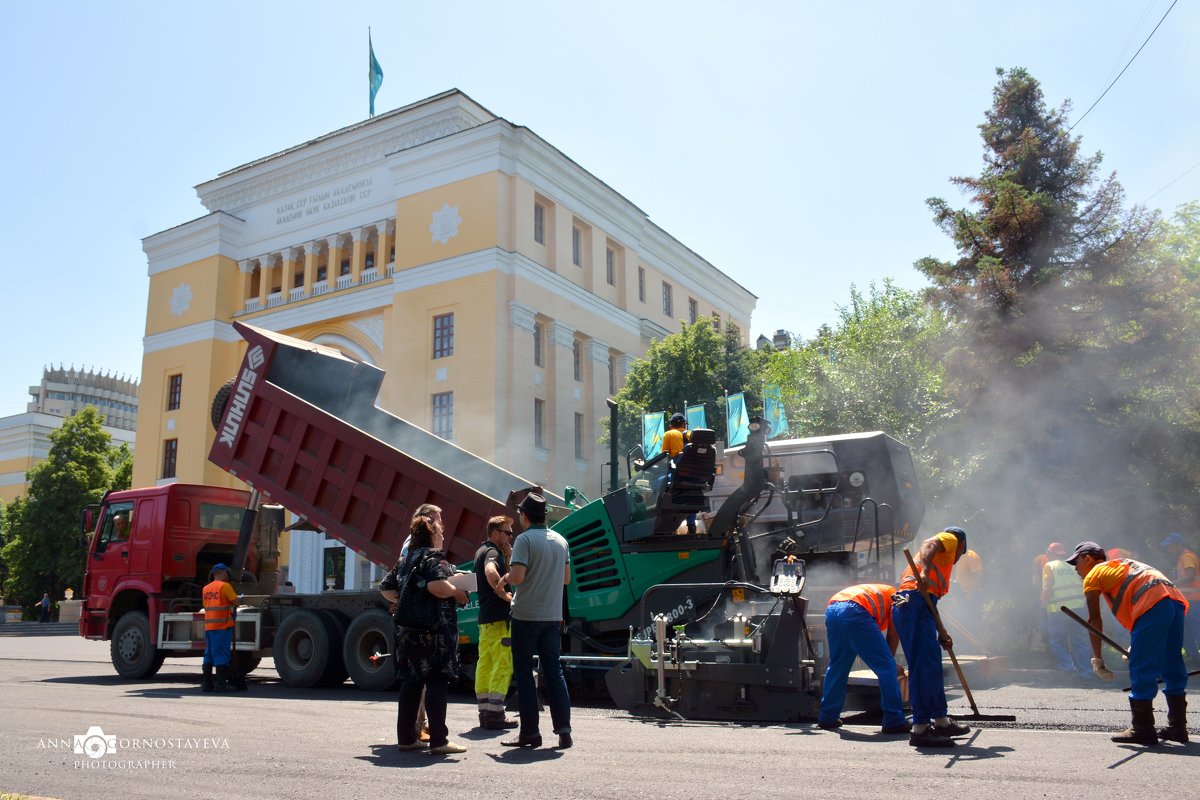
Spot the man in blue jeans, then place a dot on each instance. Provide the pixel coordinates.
(539, 568)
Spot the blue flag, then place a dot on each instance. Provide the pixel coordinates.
(652, 434)
(375, 73)
(737, 421)
(773, 411)
(695, 417)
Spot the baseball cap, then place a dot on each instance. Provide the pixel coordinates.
(1172, 538)
(1087, 548)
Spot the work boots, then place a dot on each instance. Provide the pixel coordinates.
(495, 721)
(206, 680)
(1142, 731)
(1176, 730)
(222, 684)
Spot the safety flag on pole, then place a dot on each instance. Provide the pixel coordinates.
(773, 411)
(737, 421)
(375, 72)
(695, 417)
(652, 434)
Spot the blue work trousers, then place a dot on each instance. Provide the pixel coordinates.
(919, 638)
(852, 631)
(218, 647)
(543, 640)
(1069, 642)
(1156, 650)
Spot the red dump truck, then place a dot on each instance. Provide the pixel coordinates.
(299, 425)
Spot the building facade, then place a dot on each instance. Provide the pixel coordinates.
(63, 392)
(25, 442)
(505, 290)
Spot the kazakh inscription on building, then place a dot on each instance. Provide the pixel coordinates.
(320, 201)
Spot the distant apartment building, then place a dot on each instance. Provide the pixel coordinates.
(505, 290)
(25, 438)
(63, 392)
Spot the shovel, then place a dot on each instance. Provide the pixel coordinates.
(1093, 629)
(974, 715)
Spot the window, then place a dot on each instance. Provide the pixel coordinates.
(344, 267)
(370, 260)
(693, 310)
(577, 359)
(322, 273)
(716, 322)
(443, 335)
(642, 284)
(667, 299)
(576, 247)
(174, 392)
(735, 332)
(539, 411)
(612, 374)
(579, 436)
(537, 344)
(170, 456)
(610, 266)
(443, 415)
(539, 223)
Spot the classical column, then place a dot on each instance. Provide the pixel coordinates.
(245, 276)
(288, 256)
(560, 437)
(264, 278)
(386, 231)
(334, 271)
(311, 250)
(358, 253)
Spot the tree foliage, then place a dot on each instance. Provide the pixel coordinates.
(878, 369)
(44, 549)
(1077, 316)
(696, 365)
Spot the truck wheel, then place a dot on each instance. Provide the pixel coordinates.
(369, 633)
(133, 654)
(302, 649)
(220, 400)
(335, 669)
(244, 663)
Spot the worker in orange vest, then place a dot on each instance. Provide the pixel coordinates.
(220, 608)
(932, 727)
(856, 622)
(1146, 603)
(1187, 578)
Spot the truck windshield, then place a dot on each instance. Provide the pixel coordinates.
(220, 518)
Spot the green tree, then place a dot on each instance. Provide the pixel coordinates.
(696, 365)
(878, 369)
(45, 550)
(1074, 313)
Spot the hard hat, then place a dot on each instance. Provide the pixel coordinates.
(1056, 549)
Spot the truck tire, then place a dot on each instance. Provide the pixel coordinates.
(244, 662)
(132, 652)
(370, 632)
(302, 649)
(220, 400)
(335, 673)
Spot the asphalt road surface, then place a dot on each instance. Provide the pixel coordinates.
(171, 741)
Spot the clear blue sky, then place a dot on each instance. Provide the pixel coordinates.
(793, 144)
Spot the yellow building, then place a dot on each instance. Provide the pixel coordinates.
(504, 289)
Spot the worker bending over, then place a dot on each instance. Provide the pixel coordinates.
(856, 621)
(919, 636)
(1152, 609)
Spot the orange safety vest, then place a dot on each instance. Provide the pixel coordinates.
(1141, 587)
(1039, 565)
(939, 581)
(876, 598)
(1191, 590)
(218, 606)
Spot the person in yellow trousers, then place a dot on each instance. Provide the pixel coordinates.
(1146, 603)
(494, 669)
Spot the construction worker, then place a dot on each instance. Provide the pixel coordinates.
(1187, 578)
(220, 607)
(856, 622)
(967, 609)
(1042, 634)
(1061, 587)
(1146, 603)
(918, 632)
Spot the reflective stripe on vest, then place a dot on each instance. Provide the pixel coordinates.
(1068, 588)
(874, 597)
(1141, 587)
(216, 617)
(939, 584)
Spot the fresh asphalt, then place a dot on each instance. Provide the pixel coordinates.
(276, 742)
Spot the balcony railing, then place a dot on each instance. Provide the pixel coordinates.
(297, 294)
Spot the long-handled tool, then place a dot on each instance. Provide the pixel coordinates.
(1124, 653)
(943, 636)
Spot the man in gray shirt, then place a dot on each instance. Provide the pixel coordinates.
(539, 568)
